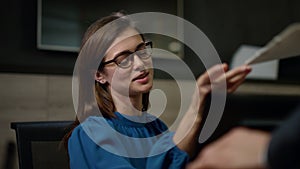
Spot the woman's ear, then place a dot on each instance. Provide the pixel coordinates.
(99, 77)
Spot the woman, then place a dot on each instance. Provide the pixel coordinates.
(124, 135)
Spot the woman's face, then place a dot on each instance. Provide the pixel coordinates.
(131, 79)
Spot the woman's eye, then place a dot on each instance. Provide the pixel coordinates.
(142, 53)
(123, 60)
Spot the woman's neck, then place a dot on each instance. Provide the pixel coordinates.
(129, 105)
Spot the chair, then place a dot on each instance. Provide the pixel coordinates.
(38, 144)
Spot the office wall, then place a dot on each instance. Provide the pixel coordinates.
(18, 46)
(19, 51)
(231, 23)
(228, 24)
(31, 97)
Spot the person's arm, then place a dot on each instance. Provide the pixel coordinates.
(241, 148)
(245, 148)
(186, 136)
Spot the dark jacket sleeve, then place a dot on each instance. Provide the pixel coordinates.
(284, 148)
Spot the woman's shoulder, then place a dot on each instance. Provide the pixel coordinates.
(93, 128)
(95, 133)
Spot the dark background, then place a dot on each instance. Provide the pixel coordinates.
(228, 24)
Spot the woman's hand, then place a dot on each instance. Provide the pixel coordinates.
(214, 76)
(186, 136)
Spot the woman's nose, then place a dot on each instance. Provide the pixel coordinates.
(138, 64)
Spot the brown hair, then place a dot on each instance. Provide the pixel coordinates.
(103, 97)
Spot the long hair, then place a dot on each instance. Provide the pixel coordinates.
(100, 43)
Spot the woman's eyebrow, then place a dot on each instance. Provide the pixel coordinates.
(139, 45)
(122, 53)
(128, 51)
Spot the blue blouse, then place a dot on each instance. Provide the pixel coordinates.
(124, 142)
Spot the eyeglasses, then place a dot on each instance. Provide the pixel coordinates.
(125, 58)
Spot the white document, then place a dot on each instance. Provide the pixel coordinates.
(266, 70)
(284, 45)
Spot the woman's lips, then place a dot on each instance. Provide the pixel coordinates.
(143, 78)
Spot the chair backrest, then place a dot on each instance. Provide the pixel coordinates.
(39, 144)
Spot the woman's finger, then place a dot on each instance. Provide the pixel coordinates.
(234, 74)
(234, 86)
(213, 73)
(239, 70)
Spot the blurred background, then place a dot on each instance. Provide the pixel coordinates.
(39, 47)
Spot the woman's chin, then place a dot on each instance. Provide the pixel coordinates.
(142, 89)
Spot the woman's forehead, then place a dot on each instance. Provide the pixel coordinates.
(127, 40)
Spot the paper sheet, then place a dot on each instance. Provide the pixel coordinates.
(284, 45)
(266, 70)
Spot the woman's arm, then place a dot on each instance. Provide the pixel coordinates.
(186, 136)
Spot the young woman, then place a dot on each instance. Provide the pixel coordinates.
(124, 135)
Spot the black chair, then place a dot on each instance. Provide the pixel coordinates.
(39, 144)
